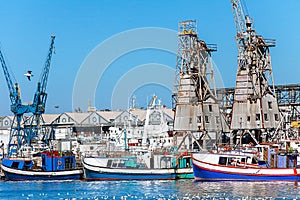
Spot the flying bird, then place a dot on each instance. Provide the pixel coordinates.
(28, 74)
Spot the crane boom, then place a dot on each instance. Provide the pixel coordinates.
(40, 96)
(12, 87)
(45, 73)
(240, 13)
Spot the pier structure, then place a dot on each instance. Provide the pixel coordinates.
(288, 98)
(197, 119)
(289, 101)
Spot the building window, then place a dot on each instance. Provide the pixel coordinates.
(217, 120)
(270, 104)
(248, 118)
(206, 119)
(266, 117)
(276, 117)
(191, 120)
(257, 117)
(210, 108)
(199, 119)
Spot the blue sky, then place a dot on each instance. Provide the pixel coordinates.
(82, 27)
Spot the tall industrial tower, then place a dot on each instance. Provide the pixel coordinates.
(197, 114)
(255, 110)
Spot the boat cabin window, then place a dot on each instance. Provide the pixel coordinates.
(120, 163)
(109, 163)
(262, 163)
(248, 160)
(223, 161)
(15, 165)
(231, 161)
(254, 161)
(114, 164)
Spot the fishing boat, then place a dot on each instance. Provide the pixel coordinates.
(147, 156)
(148, 166)
(50, 165)
(279, 166)
(131, 167)
(183, 168)
(26, 158)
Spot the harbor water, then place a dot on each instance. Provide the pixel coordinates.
(162, 190)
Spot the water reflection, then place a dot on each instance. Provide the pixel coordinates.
(265, 190)
(163, 190)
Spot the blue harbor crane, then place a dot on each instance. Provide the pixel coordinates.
(25, 129)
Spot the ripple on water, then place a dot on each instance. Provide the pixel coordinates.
(164, 190)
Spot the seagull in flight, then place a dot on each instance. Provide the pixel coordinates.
(28, 74)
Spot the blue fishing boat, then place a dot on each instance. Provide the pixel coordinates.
(44, 166)
(26, 132)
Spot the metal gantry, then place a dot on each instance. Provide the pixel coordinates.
(288, 97)
(197, 115)
(289, 102)
(255, 109)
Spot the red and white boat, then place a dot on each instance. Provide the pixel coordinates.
(245, 167)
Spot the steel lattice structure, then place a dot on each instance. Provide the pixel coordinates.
(288, 97)
(255, 109)
(197, 109)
